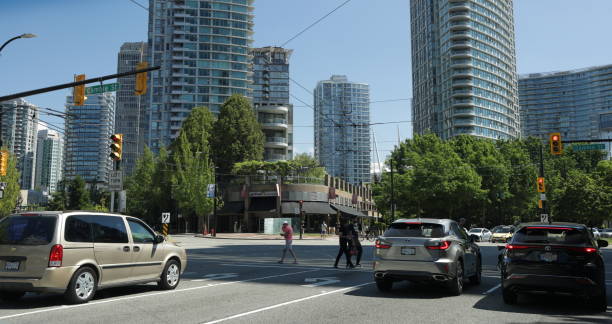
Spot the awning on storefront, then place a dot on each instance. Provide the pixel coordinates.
(232, 208)
(349, 211)
(290, 207)
(309, 207)
(263, 204)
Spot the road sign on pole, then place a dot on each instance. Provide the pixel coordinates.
(544, 218)
(110, 87)
(165, 218)
(115, 181)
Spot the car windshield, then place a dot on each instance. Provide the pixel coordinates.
(504, 230)
(415, 230)
(476, 230)
(553, 235)
(27, 230)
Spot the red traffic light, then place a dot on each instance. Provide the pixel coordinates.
(555, 138)
(540, 180)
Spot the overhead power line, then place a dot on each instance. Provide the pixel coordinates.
(314, 23)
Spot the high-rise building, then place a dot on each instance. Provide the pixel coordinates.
(464, 68)
(576, 103)
(130, 117)
(88, 131)
(49, 160)
(19, 130)
(271, 101)
(341, 128)
(202, 48)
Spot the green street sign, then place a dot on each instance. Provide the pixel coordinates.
(588, 147)
(101, 89)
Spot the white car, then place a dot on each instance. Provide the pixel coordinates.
(607, 233)
(596, 233)
(483, 234)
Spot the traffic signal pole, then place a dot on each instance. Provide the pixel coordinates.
(543, 210)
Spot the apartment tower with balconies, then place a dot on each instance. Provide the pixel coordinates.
(464, 77)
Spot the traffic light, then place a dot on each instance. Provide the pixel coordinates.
(78, 93)
(4, 160)
(116, 146)
(556, 146)
(541, 186)
(141, 79)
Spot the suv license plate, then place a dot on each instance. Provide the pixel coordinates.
(548, 257)
(408, 251)
(11, 266)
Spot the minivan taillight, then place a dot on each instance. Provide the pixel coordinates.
(441, 245)
(382, 245)
(56, 255)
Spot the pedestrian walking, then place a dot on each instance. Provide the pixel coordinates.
(323, 230)
(344, 237)
(356, 243)
(288, 235)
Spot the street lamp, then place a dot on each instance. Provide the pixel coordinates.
(16, 37)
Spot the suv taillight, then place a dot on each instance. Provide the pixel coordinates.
(382, 245)
(56, 255)
(441, 245)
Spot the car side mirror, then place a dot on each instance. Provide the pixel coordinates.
(159, 239)
(602, 243)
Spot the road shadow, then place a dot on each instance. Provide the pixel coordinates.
(562, 308)
(411, 290)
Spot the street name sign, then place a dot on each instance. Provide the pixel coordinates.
(165, 218)
(111, 87)
(588, 147)
(115, 181)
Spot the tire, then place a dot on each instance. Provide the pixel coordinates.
(11, 296)
(456, 284)
(509, 296)
(599, 303)
(384, 285)
(82, 286)
(171, 276)
(476, 279)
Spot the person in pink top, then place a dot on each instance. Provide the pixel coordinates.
(288, 234)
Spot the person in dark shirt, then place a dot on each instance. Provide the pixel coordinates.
(344, 236)
(355, 242)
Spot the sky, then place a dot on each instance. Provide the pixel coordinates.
(366, 40)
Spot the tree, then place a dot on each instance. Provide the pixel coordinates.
(140, 187)
(11, 191)
(579, 199)
(78, 197)
(237, 134)
(59, 199)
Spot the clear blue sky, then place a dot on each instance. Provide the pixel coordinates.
(367, 40)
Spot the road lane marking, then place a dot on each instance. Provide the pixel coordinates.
(492, 289)
(296, 267)
(315, 282)
(65, 307)
(217, 276)
(286, 303)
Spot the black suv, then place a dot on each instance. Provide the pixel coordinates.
(557, 257)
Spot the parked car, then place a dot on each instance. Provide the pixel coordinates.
(502, 234)
(78, 253)
(606, 233)
(481, 234)
(426, 250)
(558, 257)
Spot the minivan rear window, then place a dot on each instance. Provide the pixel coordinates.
(552, 235)
(27, 230)
(415, 230)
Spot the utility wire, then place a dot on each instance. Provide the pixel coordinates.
(314, 23)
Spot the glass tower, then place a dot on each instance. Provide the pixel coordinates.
(87, 146)
(464, 68)
(130, 118)
(271, 101)
(202, 48)
(577, 104)
(341, 128)
(49, 160)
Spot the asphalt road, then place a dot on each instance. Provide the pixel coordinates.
(239, 281)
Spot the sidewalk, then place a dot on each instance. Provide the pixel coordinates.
(257, 236)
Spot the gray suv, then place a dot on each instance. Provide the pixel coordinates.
(426, 250)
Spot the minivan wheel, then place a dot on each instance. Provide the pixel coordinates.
(509, 296)
(477, 277)
(82, 286)
(456, 284)
(171, 276)
(11, 296)
(384, 285)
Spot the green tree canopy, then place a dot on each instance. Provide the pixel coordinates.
(11, 191)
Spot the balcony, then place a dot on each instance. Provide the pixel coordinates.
(274, 123)
(460, 44)
(463, 92)
(456, 63)
(275, 157)
(276, 142)
(463, 102)
(458, 5)
(273, 109)
(464, 112)
(459, 15)
(459, 25)
(460, 34)
(464, 122)
(461, 53)
(462, 82)
(462, 73)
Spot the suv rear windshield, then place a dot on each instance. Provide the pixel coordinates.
(27, 230)
(415, 230)
(553, 235)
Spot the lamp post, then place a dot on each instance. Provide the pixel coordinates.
(17, 37)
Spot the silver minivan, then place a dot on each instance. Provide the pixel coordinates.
(77, 253)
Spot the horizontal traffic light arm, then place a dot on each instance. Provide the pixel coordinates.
(77, 83)
(588, 140)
